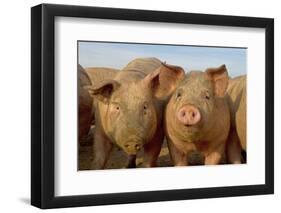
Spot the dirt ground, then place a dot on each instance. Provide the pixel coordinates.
(118, 158)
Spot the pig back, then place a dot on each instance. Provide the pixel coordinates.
(85, 103)
(237, 98)
(99, 74)
(142, 66)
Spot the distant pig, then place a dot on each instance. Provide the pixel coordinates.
(197, 117)
(129, 111)
(236, 96)
(85, 103)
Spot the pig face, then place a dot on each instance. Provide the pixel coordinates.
(131, 116)
(194, 101)
(133, 112)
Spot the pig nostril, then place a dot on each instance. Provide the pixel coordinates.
(137, 147)
(183, 114)
(193, 114)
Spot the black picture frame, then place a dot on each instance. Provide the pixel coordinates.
(43, 102)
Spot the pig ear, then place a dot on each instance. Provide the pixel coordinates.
(219, 76)
(103, 90)
(165, 79)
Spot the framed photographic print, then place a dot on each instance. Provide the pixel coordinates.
(139, 106)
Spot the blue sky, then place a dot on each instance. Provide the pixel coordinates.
(117, 55)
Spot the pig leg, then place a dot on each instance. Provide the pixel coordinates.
(214, 157)
(151, 151)
(101, 149)
(132, 161)
(233, 148)
(195, 158)
(179, 158)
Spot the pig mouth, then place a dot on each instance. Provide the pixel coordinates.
(132, 147)
(131, 151)
(189, 130)
(185, 128)
(190, 127)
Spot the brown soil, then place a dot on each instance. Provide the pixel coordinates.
(118, 158)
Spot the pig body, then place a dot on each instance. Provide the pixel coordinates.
(129, 112)
(237, 97)
(197, 118)
(85, 103)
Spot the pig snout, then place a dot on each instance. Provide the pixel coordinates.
(132, 147)
(189, 115)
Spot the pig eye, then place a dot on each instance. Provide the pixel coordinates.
(178, 95)
(116, 106)
(207, 96)
(145, 106)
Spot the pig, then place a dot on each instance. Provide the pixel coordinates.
(197, 117)
(85, 104)
(129, 111)
(236, 96)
